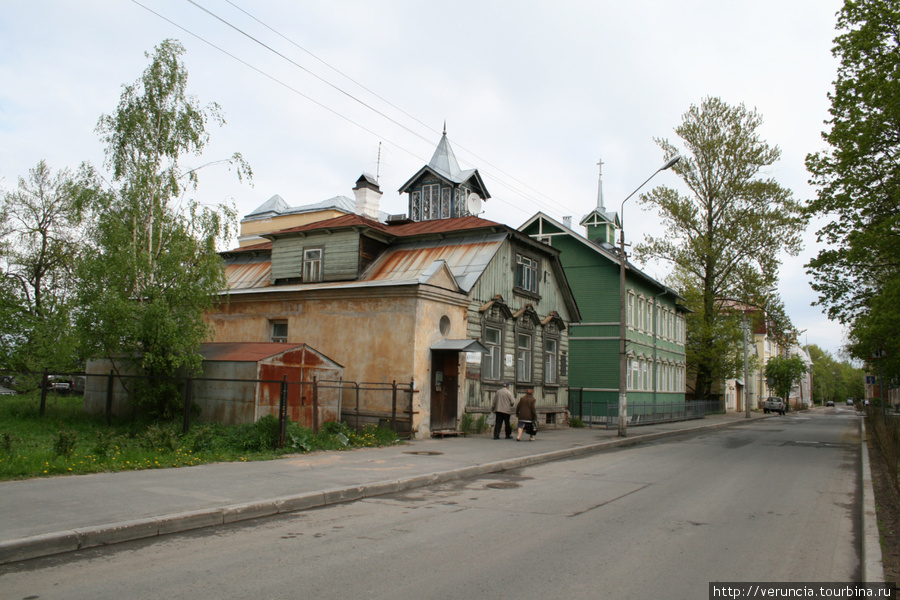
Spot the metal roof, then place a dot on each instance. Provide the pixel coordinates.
(244, 352)
(246, 272)
(460, 346)
(466, 257)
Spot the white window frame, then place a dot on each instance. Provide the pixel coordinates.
(551, 360)
(524, 357)
(312, 264)
(492, 363)
(276, 331)
(527, 269)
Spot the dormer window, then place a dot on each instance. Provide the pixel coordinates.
(312, 265)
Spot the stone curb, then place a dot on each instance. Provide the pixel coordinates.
(871, 559)
(102, 535)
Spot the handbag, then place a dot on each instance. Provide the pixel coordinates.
(491, 419)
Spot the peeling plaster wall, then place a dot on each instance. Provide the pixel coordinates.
(378, 335)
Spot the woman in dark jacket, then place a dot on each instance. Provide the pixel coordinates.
(527, 414)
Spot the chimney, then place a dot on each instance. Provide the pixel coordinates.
(368, 196)
(567, 221)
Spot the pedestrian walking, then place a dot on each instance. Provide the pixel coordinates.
(526, 412)
(503, 407)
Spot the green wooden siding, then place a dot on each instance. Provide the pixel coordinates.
(594, 356)
(340, 256)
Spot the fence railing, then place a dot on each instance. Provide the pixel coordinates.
(357, 413)
(606, 414)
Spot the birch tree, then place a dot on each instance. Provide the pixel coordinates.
(154, 269)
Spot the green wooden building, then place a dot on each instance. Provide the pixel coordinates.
(655, 319)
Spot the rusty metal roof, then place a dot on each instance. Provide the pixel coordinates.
(245, 272)
(466, 257)
(244, 352)
(438, 226)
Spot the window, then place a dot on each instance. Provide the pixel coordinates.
(431, 202)
(630, 318)
(550, 360)
(635, 373)
(278, 331)
(526, 273)
(523, 357)
(416, 206)
(312, 265)
(563, 363)
(640, 314)
(645, 375)
(492, 365)
(445, 203)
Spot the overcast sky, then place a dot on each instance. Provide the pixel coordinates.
(534, 94)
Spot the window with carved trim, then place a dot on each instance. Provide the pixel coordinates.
(551, 360)
(492, 361)
(523, 357)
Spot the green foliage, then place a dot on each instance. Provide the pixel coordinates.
(40, 235)
(576, 422)
(64, 444)
(468, 424)
(834, 380)
(783, 373)
(31, 446)
(857, 273)
(724, 239)
(154, 267)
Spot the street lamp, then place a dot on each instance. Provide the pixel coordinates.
(623, 309)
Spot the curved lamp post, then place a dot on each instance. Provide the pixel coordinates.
(623, 309)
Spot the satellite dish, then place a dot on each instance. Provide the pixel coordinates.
(473, 204)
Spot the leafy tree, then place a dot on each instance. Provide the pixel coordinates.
(40, 234)
(857, 274)
(724, 237)
(783, 373)
(155, 267)
(833, 379)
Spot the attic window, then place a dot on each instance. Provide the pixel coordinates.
(526, 273)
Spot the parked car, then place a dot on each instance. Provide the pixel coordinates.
(849, 401)
(774, 404)
(829, 403)
(61, 384)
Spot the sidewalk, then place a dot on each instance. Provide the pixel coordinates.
(49, 516)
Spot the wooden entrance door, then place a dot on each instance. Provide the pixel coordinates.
(444, 389)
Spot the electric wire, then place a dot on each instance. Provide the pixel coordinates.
(335, 112)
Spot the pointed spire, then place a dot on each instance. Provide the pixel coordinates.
(600, 206)
(443, 160)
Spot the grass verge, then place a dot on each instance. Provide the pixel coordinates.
(66, 441)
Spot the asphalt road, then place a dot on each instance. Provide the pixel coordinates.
(775, 500)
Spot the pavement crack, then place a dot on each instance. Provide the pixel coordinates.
(610, 501)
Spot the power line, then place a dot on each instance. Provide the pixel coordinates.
(499, 181)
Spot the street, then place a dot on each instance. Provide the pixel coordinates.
(775, 500)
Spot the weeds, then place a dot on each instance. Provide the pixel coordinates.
(72, 442)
